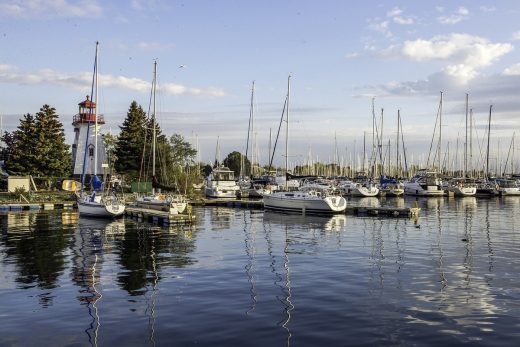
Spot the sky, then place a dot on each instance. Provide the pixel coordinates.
(344, 57)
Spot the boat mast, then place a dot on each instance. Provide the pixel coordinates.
(487, 152)
(85, 152)
(154, 130)
(287, 132)
(397, 146)
(97, 111)
(472, 175)
(439, 148)
(250, 125)
(466, 141)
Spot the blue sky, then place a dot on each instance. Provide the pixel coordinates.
(340, 54)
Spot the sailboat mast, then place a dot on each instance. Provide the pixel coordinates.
(154, 130)
(250, 125)
(439, 148)
(97, 111)
(466, 142)
(287, 132)
(471, 142)
(489, 133)
(397, 146)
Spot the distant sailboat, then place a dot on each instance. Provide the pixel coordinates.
(174, 204)
(303, 201)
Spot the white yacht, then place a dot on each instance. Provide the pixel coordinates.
(462, 187)
(308, 201)
(425, 183)
(358, 189)
(507, 187)
(173, 204)
(221, 183)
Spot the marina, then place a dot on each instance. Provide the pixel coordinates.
(252, 277)
(306, 174)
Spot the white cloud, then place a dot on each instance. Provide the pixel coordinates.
(464, 54)
(153, 46)
(513, 70)
(81, 81)
(380, 26)
(44, 9)
(396, 14)
(487, 8)
(461, 14)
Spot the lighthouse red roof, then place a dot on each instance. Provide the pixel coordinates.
(87, 103)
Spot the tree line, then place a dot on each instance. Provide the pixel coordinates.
(37, 147)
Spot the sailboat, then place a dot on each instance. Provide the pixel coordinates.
(174, 204)
(305, 201)
(98, 203)
(428, 182)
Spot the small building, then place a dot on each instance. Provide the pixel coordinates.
(18, 182)
(88, 121)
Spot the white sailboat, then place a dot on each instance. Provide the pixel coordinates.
(303, 201)
(98, 203)
(174, 204)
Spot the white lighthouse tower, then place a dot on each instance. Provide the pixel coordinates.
(87, 116)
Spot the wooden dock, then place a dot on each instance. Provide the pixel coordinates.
(385, 211)
(407, 212)
(159, 217)
(37, 206)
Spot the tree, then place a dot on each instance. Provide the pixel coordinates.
(182, 151)
(130, 142)
(21, 147)
(234, 162)
(37, 147)
(110, 142)
(51, 153)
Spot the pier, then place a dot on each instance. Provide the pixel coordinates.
(352, 210)
(37, 206)
(159, 217)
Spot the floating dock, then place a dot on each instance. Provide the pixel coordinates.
(37, 206)
(385, 211)
(355, 210)
(159, 217)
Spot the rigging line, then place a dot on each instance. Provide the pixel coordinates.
(278, 134)
(433, 136)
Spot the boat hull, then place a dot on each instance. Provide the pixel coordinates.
(96, 209)
(303, 203)
(417, 190)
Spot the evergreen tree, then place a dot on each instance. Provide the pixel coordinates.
(51, 153)
(21, 147)
(163, 157)
(130, 142)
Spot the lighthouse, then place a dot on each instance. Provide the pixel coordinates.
(87, 117)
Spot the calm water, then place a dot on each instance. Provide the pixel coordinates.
(241, 277)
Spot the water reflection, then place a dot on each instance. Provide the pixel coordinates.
(312, 222)
(242, 277)
(35, 244)
(87, 260)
